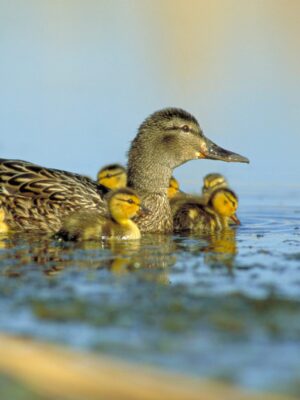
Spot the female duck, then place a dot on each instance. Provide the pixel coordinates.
(193, 215)
(123, 205)
(39, 198)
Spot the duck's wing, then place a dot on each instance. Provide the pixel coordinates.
(21, 178)
(34, 197)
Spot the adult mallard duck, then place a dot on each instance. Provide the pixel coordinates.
(195, 216)
(123, 204)
(35, 197)
(112, 177)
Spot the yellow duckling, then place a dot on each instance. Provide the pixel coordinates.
(193, 215)
(212, 182)
(123, 205)
(112, 177)
(173, 188)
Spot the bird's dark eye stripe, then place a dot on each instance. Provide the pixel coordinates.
(179, 128)
(130, 201)
(112, 175)
(173, 128)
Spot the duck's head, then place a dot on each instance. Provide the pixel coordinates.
(124, 204)
(173, 136)
(225, 203)
(173, 188)
(112, 176)
(213, 181)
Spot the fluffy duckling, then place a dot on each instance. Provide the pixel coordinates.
(212, 182)
(38, 198)
(112, 177)
(123, 205)
(215, 215)
(173, 188)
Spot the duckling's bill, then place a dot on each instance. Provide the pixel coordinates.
(235, 219)
(212, 151)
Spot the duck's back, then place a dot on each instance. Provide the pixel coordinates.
(34, 197)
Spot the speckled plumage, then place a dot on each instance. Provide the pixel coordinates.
(37, 198)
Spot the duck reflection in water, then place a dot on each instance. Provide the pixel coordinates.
(150, 258)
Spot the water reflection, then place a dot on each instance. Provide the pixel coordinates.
(155, 253)
(219, 249)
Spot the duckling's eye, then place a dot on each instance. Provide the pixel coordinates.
(225, 202)
(130, 201)
(185, 128)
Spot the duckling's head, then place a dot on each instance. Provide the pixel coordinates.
(124, 204)
(173, 188)
(225, 203)
(213, 181)
(112, 176)
(167, 139)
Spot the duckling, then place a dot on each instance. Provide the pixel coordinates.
(196, 216)
(38, 198)
(212, 181)
(173, 188)
(111, 177)
(123, 204)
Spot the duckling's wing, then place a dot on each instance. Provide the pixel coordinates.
(82, 225)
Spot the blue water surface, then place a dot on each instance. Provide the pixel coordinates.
(225, 305)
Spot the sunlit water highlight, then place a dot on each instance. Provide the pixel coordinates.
(224, 306)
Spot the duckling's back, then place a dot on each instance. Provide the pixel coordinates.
(192, 216)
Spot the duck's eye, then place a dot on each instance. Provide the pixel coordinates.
(225, 202)
(130, 201)
(185, 128)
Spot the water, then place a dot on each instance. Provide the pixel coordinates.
(225, 306)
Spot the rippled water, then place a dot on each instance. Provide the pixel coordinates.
(224, 306)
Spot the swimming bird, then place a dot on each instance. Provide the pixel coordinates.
(123, 205)
(221, 207)
(38, 198)
(112, 177)
(212, 182)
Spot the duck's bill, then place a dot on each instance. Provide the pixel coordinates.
(214, 152)
(235, 219)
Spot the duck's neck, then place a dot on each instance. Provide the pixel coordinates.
(149, 177)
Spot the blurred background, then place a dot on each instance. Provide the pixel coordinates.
(78, 77)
